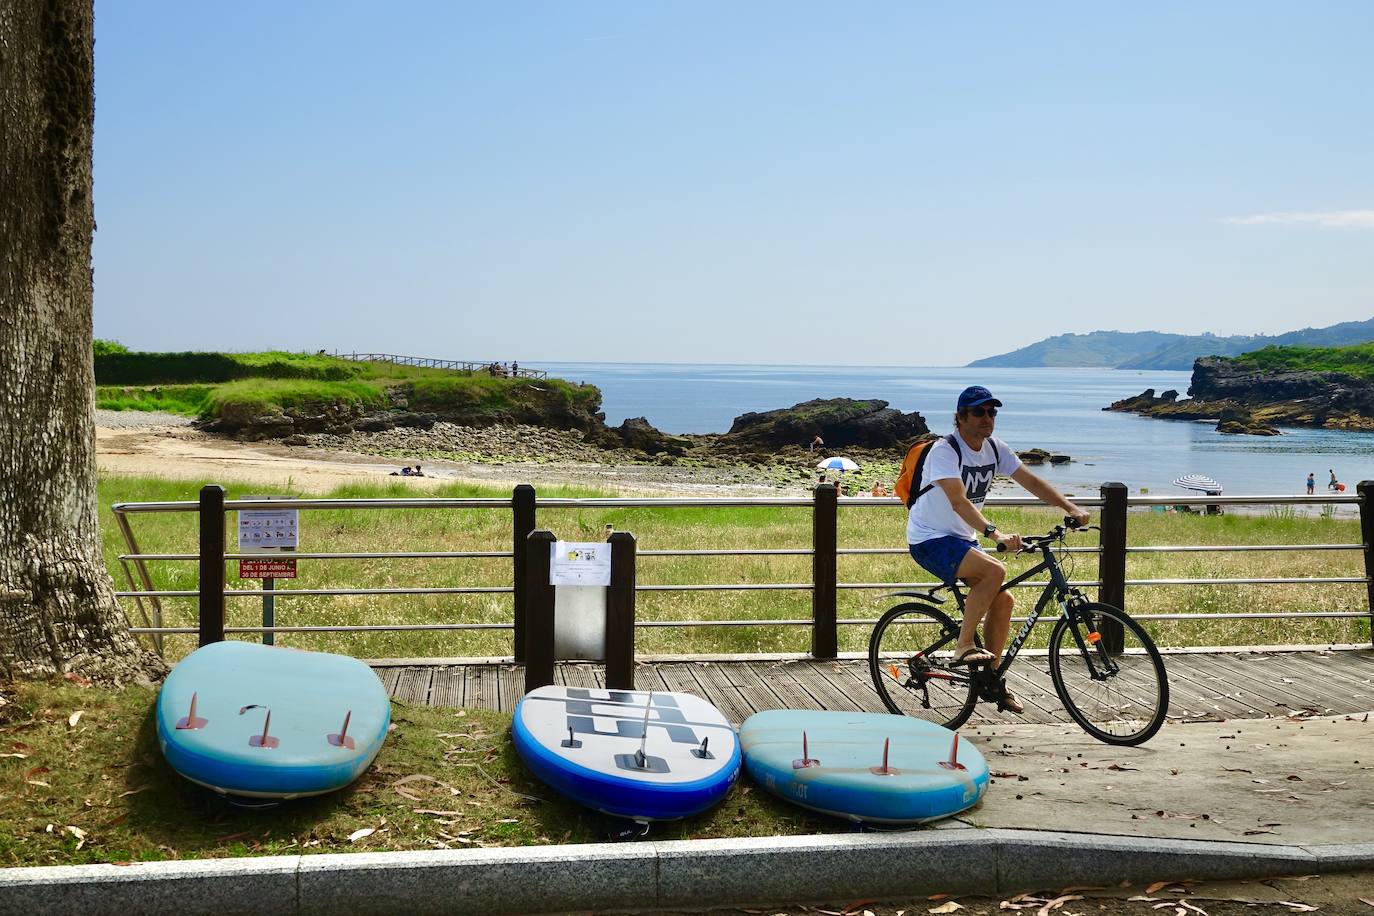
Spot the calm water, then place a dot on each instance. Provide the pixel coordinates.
(1054, 409)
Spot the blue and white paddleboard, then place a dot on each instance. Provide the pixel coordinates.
(328, 717)
(833, 762)
(628, 753)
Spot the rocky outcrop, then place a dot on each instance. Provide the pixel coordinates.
(840, 422)
(252, 425)
(1040, 456)
(639, 434)
(1246, 400)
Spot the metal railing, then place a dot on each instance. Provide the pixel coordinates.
(824, 586)
(493, 366)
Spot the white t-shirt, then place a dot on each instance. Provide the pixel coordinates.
(932, 516)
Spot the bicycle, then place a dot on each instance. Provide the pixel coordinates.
(1111, 679)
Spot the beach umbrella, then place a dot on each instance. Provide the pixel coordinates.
(1198, 482)
(837, 464)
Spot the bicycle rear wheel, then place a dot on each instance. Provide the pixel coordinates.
(1117, 697)
(908, 658)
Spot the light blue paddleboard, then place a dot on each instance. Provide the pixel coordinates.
(307, 750)
(628, 753)
(842, 770)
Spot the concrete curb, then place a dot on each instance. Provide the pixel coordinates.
(640, 876)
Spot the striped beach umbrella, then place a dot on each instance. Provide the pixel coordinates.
(837, 464)
(1198, 482)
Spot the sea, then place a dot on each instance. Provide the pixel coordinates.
(1059, 410)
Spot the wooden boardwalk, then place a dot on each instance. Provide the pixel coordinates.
(1245, 684)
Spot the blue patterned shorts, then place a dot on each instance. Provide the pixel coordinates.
(941, 556)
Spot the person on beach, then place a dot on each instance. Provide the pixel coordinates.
(946, 517)
(1311, 483)
(1333, 483)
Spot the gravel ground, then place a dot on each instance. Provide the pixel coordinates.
(138, 419)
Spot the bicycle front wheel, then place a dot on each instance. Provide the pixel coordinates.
(1119, 697)
(908, 658)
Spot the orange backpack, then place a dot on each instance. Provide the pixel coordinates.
(908, 487)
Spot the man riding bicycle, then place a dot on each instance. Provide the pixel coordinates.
(946, 517)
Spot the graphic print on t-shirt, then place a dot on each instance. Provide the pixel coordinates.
(977, 481)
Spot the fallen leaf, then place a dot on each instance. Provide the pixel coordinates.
(77, 679)
(34, 771)
(1366, 901)
(1141, 898)
(16, 754)
(438, 813)
(357, 835)
(1120, 769)
(857, 905)
(74, 718)
(76, 832)
(1157, 887)
(948, 906)
(1056, 903)
(134, 791)
(1299, 907)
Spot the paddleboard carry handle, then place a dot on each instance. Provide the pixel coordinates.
(572, 741)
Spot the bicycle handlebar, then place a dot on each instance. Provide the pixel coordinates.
(1031, 542)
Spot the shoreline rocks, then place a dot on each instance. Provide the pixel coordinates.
(1247, 401)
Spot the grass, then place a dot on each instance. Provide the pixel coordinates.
(99, 790)
(186, 400)
(720, 527)
(1356, 360)
(257, 396)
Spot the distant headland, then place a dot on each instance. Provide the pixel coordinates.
(1157, 350)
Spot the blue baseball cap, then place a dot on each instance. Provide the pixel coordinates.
(974, 395)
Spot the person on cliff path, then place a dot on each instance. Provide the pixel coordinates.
(1311, 483)
(946, 517)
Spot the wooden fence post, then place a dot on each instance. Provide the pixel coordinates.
(523, 512)
(1365, 488)
(620, 614)
(211, 564)
(538, 611)
(1111, 563)
(824, 572)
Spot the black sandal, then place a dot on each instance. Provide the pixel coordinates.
(962, 658)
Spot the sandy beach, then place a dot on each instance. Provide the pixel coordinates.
(163, 445)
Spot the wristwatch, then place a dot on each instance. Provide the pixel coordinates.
(989, 531)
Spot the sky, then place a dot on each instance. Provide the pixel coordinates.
(883, 183)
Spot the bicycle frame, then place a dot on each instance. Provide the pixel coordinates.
(1057, 587)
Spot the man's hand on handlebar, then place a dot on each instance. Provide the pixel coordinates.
(1005, 542)
(1079, 518)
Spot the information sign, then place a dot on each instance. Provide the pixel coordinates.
(271, 532)
(575, 563)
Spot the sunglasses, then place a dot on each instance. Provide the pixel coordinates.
(982, 411)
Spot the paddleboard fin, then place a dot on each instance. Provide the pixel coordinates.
(701, 753)
(805, 760)
(263, 740)
(342, 739)
(884, 770)
(953, 762)
(192, 721)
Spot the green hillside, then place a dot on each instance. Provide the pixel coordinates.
(1157, 350)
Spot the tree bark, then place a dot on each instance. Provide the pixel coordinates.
(58, 612)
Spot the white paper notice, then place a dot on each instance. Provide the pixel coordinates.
(580, 564)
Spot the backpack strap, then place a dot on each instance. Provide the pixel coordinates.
(921, 462)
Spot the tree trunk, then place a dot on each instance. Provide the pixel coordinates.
(57, 606)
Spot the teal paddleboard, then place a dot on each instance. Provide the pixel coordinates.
(259, 721)
(865, 767)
